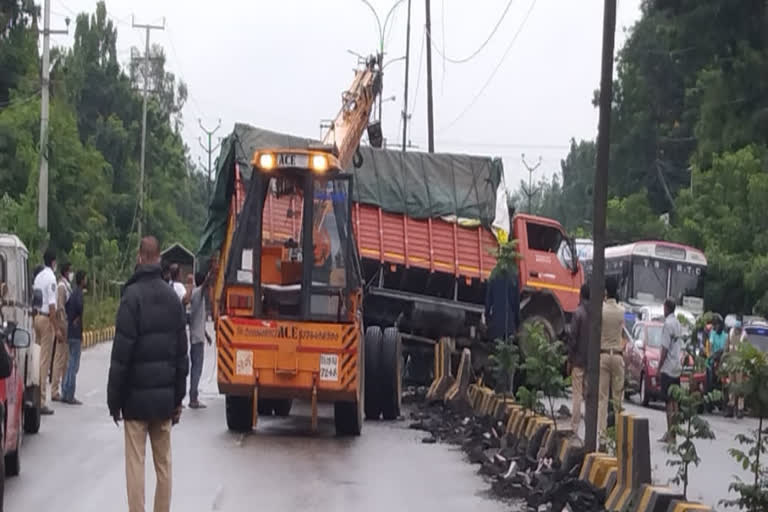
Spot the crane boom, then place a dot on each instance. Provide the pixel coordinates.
(352, 120)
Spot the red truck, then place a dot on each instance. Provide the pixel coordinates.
(425, 269)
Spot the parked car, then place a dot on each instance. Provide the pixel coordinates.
(12, 339)
(756, 333)
(641, 361)
(655, 313)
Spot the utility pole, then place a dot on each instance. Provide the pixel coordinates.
(430, 116)
(145, 72)
(530, 192)
(208, 150)
(42, 183)
(600, 198)
(405, 88)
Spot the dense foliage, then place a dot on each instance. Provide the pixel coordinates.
(94, 148)
(689, 142)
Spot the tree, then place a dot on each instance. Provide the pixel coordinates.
(751, 365)
(688, 426)
(543, 365)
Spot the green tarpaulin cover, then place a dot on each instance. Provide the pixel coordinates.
(420, 185)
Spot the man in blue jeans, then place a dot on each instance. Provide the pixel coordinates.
(197, 335)
(74, 307)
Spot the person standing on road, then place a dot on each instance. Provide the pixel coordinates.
(61, 350)
(45, 285)
(735, 403)
(577, 354)
(75, 306)
(197, 335)
(670, 364)
(148, 374)
(178, 286)
(611, 354)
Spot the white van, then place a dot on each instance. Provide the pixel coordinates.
(16, 306)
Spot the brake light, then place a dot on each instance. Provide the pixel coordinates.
(237, 301)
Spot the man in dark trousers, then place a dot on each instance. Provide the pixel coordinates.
(148, 374)
(502, 306)
(74, 307)
(578, 342)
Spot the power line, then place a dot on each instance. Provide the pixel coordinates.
(482, 46)
(418, 76)
(193, 102)
(495, 70)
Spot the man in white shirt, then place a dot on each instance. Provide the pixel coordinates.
(670, 364)
(45, 283)
(178, 286)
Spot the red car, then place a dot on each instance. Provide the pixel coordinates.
(641, 361)
(11, 402)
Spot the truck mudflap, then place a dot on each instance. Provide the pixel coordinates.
(286, 359)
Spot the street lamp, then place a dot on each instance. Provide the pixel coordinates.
(382, 30)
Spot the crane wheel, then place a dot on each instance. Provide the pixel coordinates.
(265, 406)
(282, 407)
(239, 413)
(391, 362)
(372, 352)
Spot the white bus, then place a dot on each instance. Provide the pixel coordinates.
(650, 271)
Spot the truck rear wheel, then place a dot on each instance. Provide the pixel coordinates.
(372, 351)
(391, 373)
(265, 406)
(239, 413)
(283, 407)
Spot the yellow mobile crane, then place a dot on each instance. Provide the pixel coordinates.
(288, 292)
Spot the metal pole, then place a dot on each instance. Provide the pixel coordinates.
(143, 134)
(430, 113)
(209, 150)
(42, 185)
(600, 189)
(405, 88)
(147, 28)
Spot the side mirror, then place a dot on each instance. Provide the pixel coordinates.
(21, 338)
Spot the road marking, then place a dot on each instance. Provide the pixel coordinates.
(217, 498)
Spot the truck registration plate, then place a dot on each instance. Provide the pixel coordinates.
(244, 363)
(329, 367)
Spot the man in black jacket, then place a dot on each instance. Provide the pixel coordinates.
(578, 342)
(147, 375)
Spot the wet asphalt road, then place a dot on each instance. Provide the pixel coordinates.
(76, 463)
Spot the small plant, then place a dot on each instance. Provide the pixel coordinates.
(543, 363)
(507, 258)
(529, 399)
(688, 426)
(504, 362)
(752, 364)
(608, 441)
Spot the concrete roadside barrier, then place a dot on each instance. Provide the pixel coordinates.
(443, 378)
(596, 469)
(457, 392)
(655, 498)
(570, 453)
(95, 336)
(687, 506)
(633, 452)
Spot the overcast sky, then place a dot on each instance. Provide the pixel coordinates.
(282, 65)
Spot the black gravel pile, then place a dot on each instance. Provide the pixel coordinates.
(513, 476)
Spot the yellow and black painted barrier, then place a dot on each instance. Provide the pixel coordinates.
(687, 506)
(458, 391)
(443, 378)
(656, 498)
(96, 336)
(570, 453)
(633, 452)
(535, 432)
(596, 470)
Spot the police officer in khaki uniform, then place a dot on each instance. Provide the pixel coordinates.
(61, 348)
(45, 283)
(611, 354)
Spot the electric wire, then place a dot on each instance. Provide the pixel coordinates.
(495, 70)
(476, 52)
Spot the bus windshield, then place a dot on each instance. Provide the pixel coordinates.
(650, 280)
